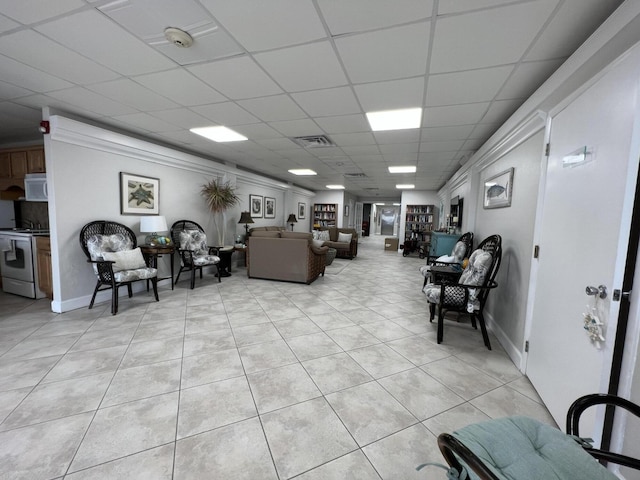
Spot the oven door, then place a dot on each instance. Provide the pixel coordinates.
(16, 259)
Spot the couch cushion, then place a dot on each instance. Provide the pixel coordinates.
(317, 243)
(344, 237)
(266, 233)
(125, 259)
(306, 236)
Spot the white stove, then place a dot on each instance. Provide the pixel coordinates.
(18, 264)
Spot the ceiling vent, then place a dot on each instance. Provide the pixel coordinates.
(314, 141)
(371, 188)
(355, 175)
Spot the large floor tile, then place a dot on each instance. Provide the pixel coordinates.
(266, 355)
(336, 372)
(281, 387)
(212, 367)
(464, 379)
(380, 360)
(354, 466)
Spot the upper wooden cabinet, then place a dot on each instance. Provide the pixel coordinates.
(15, 163)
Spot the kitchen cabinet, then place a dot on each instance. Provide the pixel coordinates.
(45, 276)
(15, 163)
(35, 161)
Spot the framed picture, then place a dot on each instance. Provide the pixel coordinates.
(302, 210)
(139, 195)
(346, 210)
(498, 190)
(255, 206)
(269, 207)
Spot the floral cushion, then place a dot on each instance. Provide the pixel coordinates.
(98, 244)
(137, 274)
(201, 260)
(459, 249)
(195, 241)
(125, 259)
(324, 235)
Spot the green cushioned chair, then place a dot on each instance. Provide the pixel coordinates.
(521, 448)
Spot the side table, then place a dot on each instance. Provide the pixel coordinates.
(155, 251)
(243, 249)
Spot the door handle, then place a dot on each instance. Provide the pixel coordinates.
(600, 291)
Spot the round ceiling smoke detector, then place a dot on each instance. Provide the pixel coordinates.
(178, 37)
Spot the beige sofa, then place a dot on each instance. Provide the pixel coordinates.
(286, 256)
(345, 249)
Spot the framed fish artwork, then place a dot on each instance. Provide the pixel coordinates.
(498, 190)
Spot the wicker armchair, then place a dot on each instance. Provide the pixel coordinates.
(521, 447)
(191, 243)
(111, 248)
(469, 294)
(461, 250)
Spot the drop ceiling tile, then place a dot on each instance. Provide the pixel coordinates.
(276, 108)
(332, 101)
(397, 136)
(279, 144)
(31, 11)
(213, 45)
(296, 128)
(570, 27)
(386, 54)
(8, 91)
(487, 38)
(22, 75)
(350, 139)
(182, 117)
(435, 157)
(399, 148)
(26, 46)
(362, 150)
(450, 146)
(257, 131)
(473, 144)
(20, 113)
(86, 33)
(360, 15)
(181, 87)
(236, 78)
(391, 95)
(447, 133)
(501, 110)
(39, 101)
(266, 25)
(527, 77)
(130, 93)
(466, 87)
(454, 115)
(406, 158)
(147, 122)
(344, 124)
(226, 113)
(7, 24)
(305, 67)
(484, 130)
(460, 6)
(91, 101)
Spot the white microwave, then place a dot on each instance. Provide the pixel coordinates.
(35, 187)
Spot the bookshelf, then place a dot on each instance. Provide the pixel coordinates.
(324, 214)
(419, 220)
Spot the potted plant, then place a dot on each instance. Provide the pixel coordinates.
(219, 195)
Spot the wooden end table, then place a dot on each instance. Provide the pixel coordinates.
(155, 251)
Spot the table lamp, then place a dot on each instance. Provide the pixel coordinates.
(245, 217)
(292, 220)
(154, 224)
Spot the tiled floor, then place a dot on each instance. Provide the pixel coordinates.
(248, 379)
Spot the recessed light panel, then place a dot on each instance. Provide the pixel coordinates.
(395, 119)
(219, 134)
(406, 169)
(302, 171)
(405, 186)
(335, 187)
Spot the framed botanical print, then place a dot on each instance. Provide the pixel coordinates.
(302, 211)
(139, 195)
(269, 207)
(255, 206)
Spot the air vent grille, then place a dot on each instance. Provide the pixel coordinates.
(314, 141)
(355, 175)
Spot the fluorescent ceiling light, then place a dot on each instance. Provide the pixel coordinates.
(397, 204)
(378, 203)
(395, 119)
(406, 169)
(407, 186)
(335, 187)
(302, 171)
(219, 134)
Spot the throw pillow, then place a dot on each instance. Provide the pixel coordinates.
(324, 235)
(317, 243)
(458, 251)
(125, 259)
(344, 237)
(194, 240)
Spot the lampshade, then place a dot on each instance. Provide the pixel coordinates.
(245, 217)
(292, 218)
(153, 224)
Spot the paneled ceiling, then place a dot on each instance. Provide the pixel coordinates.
(276, 69)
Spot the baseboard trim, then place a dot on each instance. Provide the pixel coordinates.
(513, 352)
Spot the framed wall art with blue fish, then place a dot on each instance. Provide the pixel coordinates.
(498, 190)
(139, 195)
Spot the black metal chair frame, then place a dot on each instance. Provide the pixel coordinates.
(460, 292)
(106, 277)
(455, 451)
(186, 256)
(432, 260)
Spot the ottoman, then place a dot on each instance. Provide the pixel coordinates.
(331, 255)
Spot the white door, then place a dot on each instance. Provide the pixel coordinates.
(584, 231)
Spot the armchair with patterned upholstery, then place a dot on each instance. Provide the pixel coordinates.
(469, 294)
(461, 250)
(112, 250)
(191, 244)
